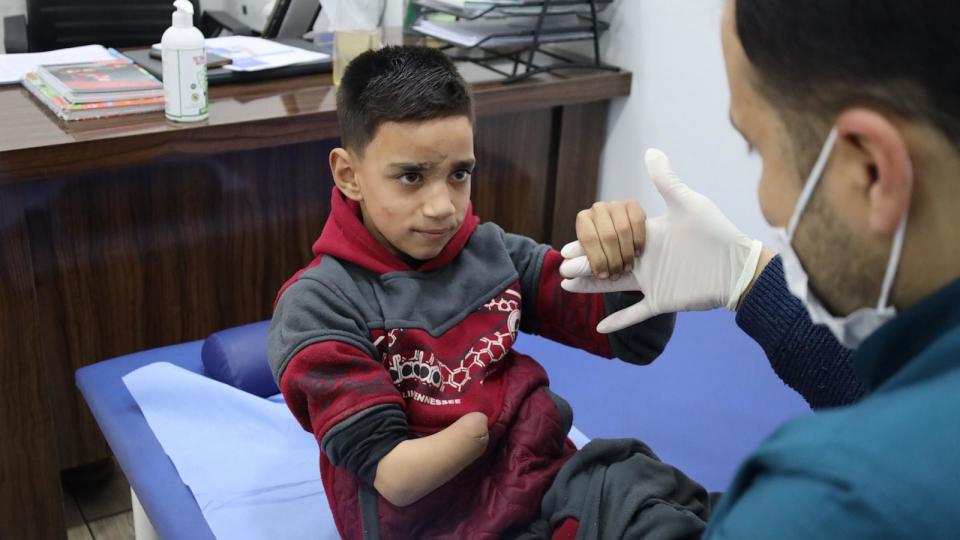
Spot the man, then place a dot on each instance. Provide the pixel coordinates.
(854, 108)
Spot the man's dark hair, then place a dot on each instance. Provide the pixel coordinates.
(398, 84)
(816, 57)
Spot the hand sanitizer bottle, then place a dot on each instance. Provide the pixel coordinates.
(184, 67)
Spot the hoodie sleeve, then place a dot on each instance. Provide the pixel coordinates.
(572, 318)
(326, 367)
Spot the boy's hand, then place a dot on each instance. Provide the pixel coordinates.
(612, 235)
(693, 257)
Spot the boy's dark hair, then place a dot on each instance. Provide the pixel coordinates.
(398, 84)
(816, 57)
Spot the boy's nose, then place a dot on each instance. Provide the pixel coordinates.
(439, 204)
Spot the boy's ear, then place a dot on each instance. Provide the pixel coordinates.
(343, 165)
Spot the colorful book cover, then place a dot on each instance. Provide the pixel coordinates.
(77, 111)
(107, 76)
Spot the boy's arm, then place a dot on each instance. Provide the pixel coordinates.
(373, 443)
(572, 318)
(327, 373)
(403, 476)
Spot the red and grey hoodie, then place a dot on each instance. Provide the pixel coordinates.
(369, 352)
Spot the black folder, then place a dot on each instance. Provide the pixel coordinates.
(225, 76)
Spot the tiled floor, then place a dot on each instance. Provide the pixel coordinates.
(100, 513)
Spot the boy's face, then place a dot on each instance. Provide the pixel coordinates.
(412, 183)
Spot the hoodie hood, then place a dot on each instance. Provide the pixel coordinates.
(348, 239)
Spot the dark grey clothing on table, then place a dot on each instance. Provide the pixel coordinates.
(617, 488)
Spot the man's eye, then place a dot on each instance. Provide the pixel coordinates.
(461, 175)
(409, 178)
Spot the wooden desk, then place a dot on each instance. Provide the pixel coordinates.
(124, 234)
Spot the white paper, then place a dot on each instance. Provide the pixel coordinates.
(472, 33)
(14, 66)
(255, 54)
(469, 6)
(453, 3)
(254, 472)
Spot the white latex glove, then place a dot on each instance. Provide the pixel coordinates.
(694, 257)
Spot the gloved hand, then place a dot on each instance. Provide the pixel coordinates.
(693, 259)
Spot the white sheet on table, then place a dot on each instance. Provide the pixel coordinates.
(253, 470)
(251, 467)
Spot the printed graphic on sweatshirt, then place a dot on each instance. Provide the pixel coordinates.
(428, 375)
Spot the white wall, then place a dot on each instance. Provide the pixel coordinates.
(679, 103)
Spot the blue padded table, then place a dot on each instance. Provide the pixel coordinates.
(166, 500)
(702, 406)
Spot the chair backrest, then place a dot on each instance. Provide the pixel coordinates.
(291, 18)
(54, 24)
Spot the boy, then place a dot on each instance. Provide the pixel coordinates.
(394, 346)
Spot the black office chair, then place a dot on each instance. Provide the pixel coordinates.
(55, 24)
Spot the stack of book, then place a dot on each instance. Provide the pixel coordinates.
(95, 89)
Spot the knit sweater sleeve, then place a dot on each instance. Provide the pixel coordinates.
(805, 356)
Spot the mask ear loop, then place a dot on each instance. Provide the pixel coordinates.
(812, 182)
(894, 262)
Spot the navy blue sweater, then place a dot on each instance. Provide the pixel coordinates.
(805, 356)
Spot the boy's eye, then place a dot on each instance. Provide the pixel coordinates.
(461, 175)
(409, 178)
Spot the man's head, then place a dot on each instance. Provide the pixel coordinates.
(885, 74)
(406, 123)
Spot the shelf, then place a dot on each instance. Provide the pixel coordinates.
(517, 31)
(498, 32)
(524, 9)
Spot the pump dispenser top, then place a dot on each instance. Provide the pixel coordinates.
(183, 16)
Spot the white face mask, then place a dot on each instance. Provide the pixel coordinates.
(857, 326)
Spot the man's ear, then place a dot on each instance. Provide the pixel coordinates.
(343, 165)
(885, 163)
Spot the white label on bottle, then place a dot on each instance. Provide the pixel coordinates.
(185, 83)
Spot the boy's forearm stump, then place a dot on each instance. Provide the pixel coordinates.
(404, 476)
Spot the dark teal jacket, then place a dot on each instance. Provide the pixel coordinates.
(887, 467)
